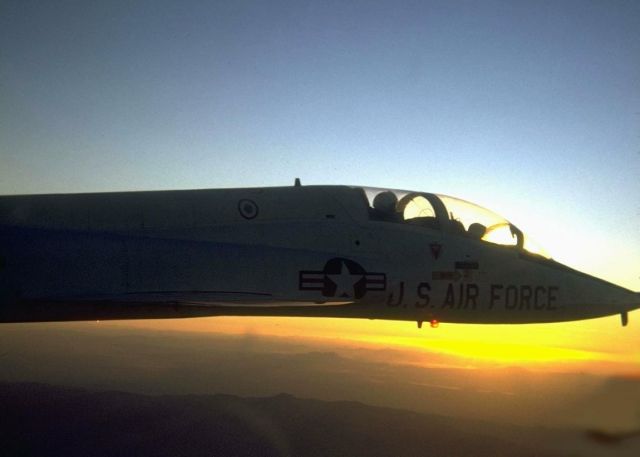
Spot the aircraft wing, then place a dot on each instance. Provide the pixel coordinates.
(165, 305)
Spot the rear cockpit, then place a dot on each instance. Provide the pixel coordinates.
(453, 215)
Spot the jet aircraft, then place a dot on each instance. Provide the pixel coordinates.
(324, 251)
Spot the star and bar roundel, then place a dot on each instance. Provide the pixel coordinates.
(342, 278)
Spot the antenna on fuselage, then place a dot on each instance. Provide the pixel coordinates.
(624, 317)
(297, 183)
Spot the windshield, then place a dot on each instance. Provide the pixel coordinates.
(487, 225)
(447, 213)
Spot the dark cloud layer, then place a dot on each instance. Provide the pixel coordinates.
(153, 362)
(47, 420)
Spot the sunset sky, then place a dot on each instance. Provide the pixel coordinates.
(531, 109)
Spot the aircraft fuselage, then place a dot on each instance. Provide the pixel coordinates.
(288, 251)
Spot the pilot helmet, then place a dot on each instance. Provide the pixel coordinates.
(385, 201)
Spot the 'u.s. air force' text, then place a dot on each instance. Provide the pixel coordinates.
(471, 296)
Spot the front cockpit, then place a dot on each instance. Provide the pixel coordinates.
(453, 215)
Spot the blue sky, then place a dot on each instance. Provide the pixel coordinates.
(529, 108)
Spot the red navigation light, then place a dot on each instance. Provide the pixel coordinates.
(434, 323)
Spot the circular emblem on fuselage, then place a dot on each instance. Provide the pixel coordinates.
(342, 278)
(248, 208)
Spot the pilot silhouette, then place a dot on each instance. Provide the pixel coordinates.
(384, 207)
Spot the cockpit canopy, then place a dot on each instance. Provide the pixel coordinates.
(450, 214)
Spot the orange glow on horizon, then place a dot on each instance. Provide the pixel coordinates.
(598, 346)
(493, 352)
